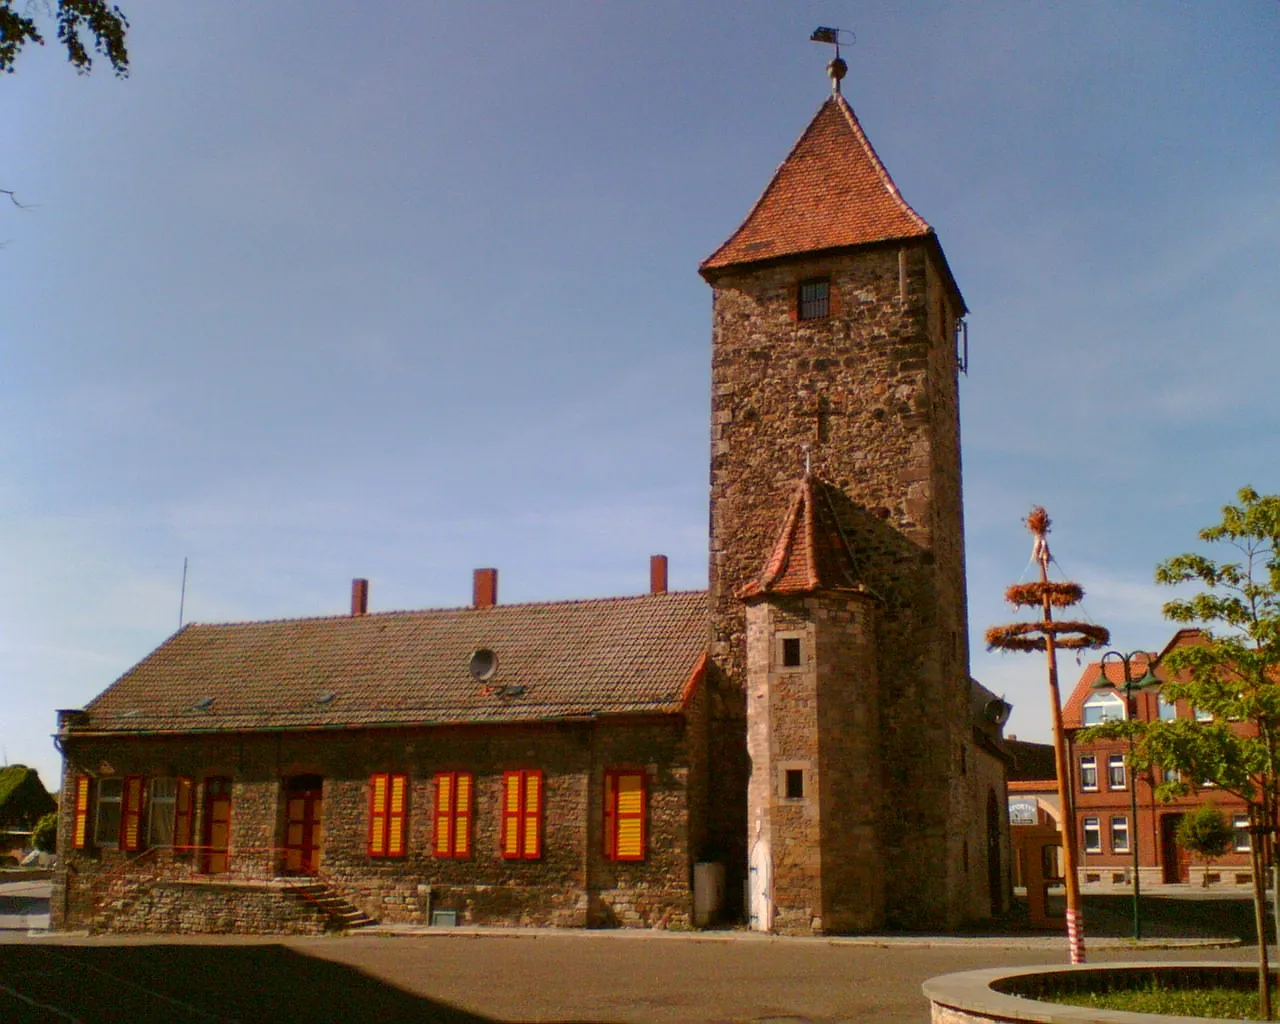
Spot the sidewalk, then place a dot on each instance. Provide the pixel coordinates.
(1043, 941)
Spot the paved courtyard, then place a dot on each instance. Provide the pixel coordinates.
(645, 978)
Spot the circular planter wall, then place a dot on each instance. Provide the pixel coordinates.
(1002, 994)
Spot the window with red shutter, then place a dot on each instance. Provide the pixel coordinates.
(522, 815)
(131, 814)
(452, 814)
(388, 803)
(80, 813)
(625, 808)
(183, 813)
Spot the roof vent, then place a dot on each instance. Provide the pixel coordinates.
(203, 704)
(483, 664)
(326, 697)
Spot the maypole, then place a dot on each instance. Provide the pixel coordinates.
(1048, 635)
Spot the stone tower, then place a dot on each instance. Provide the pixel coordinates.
(839, 646)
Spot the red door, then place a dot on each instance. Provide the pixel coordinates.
(302, 827)
(1175, 860)
(215, 858)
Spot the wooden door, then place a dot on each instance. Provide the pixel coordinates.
(215, 857)
(1175, 860)
(302, 829)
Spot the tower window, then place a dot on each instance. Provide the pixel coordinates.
(795, 784)
(814, 299)
(791, 652)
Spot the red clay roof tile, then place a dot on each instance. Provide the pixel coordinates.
(831, 191)
(810, 553)
(632, 655)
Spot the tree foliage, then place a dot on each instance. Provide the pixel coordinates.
(81, 24)
(1206, 833)
(45, 835)
(1232, 673)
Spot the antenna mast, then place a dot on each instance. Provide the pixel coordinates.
(182, 598)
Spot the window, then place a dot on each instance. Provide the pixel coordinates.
(1088, 772)
(388, 796)
(453, 814)
(795, 783)
(80, 822)
(1115, 771)
(624, 815)
(1092, 836)
(1168, 710)
(1119, 834)
(522, 815)
(1171, 775)
(161, 811)
(791, 652)
(1240, 832)
(814, 299)
(1102, 707)
(110, 799)
(1203, 716)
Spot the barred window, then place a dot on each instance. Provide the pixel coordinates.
(814, 299)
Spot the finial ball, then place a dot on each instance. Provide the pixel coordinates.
(837, 69)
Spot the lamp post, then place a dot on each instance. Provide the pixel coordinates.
(1131, 687)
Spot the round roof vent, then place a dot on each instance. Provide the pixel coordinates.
(483, 664)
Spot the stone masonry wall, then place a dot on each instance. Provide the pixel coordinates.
(572, 884)
(872, 390)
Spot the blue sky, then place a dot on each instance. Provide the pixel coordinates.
(396, 291)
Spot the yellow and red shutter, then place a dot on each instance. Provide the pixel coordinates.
(397, 804)
(624, 815)
(131, 814)
(522, 815)
(183, 813)
(531, 845)
(80, 812)
(462, 815)
(378, 815)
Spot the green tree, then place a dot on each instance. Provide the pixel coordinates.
(80, 24)
(1232, 673)
(45, 835)
(1206, 833)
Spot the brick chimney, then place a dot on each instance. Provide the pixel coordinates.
(657, 574)
(359, 597)
(485, 589)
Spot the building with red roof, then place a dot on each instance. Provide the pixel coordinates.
(800, 746)
(1101, 785)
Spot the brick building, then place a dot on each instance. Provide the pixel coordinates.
(808, 723)
(1101, 784)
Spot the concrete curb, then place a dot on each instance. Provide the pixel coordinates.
(1045, 942)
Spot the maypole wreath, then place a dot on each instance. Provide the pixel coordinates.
(1048, 635)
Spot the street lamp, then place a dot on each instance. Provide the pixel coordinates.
(1130, 686)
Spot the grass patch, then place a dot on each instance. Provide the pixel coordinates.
(1217, 1002)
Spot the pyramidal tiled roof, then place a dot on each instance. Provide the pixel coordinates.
(831, 191)
(811, 552)
(628, 655)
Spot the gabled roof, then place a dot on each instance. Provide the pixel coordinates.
(831, 191)
(1073, 709)
(811, 552)
(571, 659)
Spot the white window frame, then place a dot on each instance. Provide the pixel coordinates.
(1203, 716)
(1089, 764)
(1091, 829)
(1115, 761)
(1120, 826)
(1241, 839)
(1107, 701)
(1166, 710)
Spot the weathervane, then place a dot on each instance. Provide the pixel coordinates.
(837, 68)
